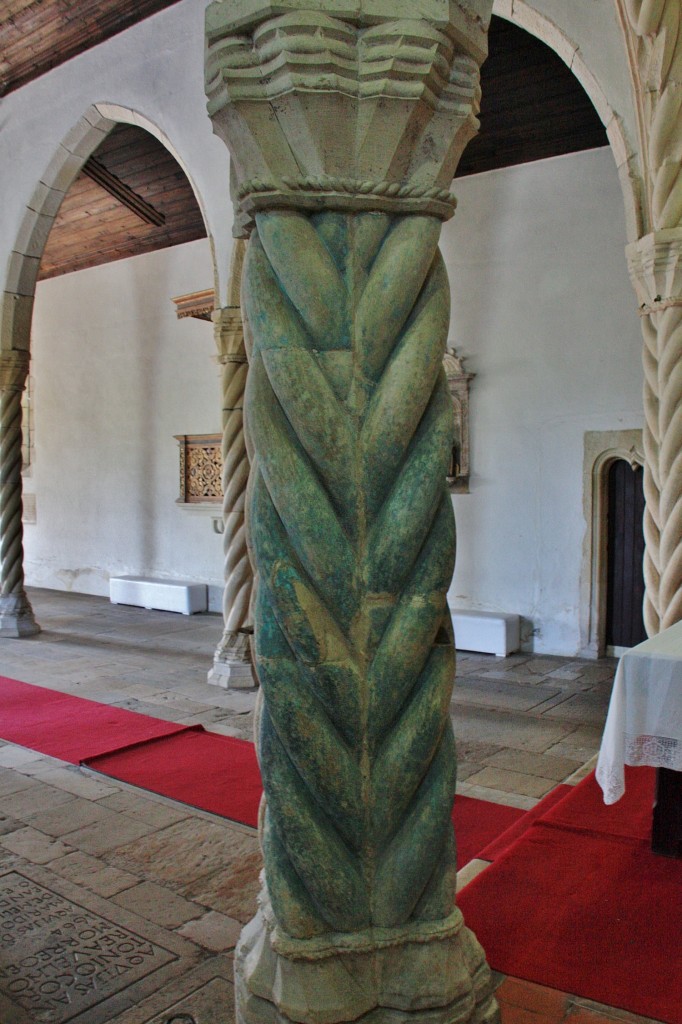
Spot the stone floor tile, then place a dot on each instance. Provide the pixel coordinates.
(540, 999)
(102, 837)
(13, 782)
(76, 781)
(158, 904)
(512, 782)
(34, 846)
(470, 871)
(529, 763)
(39, 766)
(584, 1015)
(202, 860)
(580, 773)
(497, 796)
(159, 813)
(39, 797)
(12, 756)
(8, 825)
(94, 874)
(214, 931)
(493, 693)
(581, 743)
(508, 728)
(204, 995)
(56, 822)
(582, 708)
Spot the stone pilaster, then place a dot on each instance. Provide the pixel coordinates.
(232, 661)
(16, 614)
(345, 125)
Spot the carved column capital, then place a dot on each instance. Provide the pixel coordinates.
(228, 330)
(655, 265)
(344, 105)
(14, 368)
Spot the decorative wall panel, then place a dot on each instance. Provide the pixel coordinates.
(200, 468)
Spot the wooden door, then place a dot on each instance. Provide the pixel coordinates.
(625, 556)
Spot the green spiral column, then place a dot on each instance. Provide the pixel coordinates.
(350, 525)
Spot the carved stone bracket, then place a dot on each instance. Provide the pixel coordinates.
(459, 382)
(14, 371)
(655, 264)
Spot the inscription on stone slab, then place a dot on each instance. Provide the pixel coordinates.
(58, 959)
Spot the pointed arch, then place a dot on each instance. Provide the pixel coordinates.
(521, 13)
(67, 161)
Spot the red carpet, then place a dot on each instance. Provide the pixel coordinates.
(203, 769)
(70, 728)
(478, 823)
(212, 772)
(504, 840)
(581, 904)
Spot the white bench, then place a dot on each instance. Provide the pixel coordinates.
(164, 595)
(487, 632)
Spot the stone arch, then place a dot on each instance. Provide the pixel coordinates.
(602, 449)
(536, 24)
(16, 312)
(72, 152)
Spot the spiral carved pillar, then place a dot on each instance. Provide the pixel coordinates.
(16, 614)
(232, 660)
(345, 134)
(656, 270)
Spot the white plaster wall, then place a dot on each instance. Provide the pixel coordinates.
(116, 375)
(544, 313)
(542, 310)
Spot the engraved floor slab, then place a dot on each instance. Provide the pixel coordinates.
(68, 956)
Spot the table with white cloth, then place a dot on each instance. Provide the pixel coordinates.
(644, 727)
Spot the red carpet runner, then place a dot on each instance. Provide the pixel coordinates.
(70, 728)
(581, 904)
(203, 769)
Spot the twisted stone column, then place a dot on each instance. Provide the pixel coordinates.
(345, 135)
(654, 266)
(16, 614)
(232, 660)
(656, 271)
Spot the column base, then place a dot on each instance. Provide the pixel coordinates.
(16, 616)
(426, 973)
(232, 668)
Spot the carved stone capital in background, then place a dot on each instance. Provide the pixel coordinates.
(14, 368)
(344, 105)
(228, 332)
(655, 264)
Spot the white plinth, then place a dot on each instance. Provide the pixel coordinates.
(181, 596)
(486, 632)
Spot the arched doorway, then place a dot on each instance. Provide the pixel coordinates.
(624, 624)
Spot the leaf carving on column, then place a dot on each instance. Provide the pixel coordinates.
(352, 537)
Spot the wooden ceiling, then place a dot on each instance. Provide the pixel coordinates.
(533, 107)
(98, 222)
(36, 35)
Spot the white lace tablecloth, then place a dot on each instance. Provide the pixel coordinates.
(644, 722)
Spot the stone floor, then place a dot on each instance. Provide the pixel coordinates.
(150, 895)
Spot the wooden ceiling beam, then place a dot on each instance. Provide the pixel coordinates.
(98, 173)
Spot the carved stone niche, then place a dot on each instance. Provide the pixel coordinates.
(458, 383)
(201, 467)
